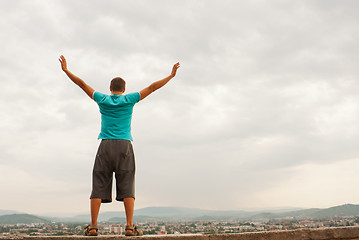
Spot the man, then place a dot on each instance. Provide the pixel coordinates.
(115, 153)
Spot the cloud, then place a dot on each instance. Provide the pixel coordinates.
(265, 90)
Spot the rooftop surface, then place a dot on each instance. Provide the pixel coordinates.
(343, 233)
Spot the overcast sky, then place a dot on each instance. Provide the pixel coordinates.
(263, 112)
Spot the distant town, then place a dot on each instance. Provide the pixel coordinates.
(174, 220)
(181, 227)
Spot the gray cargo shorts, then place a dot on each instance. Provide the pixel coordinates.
(114, 156)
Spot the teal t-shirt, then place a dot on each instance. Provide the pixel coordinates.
(116, 114)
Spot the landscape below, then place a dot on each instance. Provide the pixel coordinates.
(173, 221)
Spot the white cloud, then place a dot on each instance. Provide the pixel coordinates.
(265, 90)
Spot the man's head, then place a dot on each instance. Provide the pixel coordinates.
(117, 85)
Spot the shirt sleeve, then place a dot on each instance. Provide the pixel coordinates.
(133, 97)
(98, 97)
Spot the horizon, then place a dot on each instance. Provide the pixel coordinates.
(269, 210)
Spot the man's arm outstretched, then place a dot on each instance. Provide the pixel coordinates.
(156, 85)
(78, 81)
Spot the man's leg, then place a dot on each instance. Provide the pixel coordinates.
(95, 209)
(129, 206)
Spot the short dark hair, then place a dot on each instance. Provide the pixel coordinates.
(117, 84)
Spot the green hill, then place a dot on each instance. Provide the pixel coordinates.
(21, 218)
(339, 211)
(301, 213)
(264, 215)
(174, 214)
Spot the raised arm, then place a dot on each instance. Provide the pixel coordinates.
(78, 81)
(156, 85)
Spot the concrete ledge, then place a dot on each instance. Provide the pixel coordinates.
(345, 233)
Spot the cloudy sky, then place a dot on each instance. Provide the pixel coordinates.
(263, 112)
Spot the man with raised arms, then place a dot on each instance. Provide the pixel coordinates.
(115, 152)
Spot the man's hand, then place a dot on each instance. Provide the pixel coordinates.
(174, 69)
(78, 81)
(63, 63)
(157, 85)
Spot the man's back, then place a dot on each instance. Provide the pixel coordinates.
(116, 114)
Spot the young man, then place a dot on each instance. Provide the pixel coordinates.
(115, 153)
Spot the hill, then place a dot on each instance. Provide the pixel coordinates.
(186, 212)
(173, 213)
(21, 218)
(8, 212)
(177, 213)
(166, 213)
(200, 214)
(338, 211)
